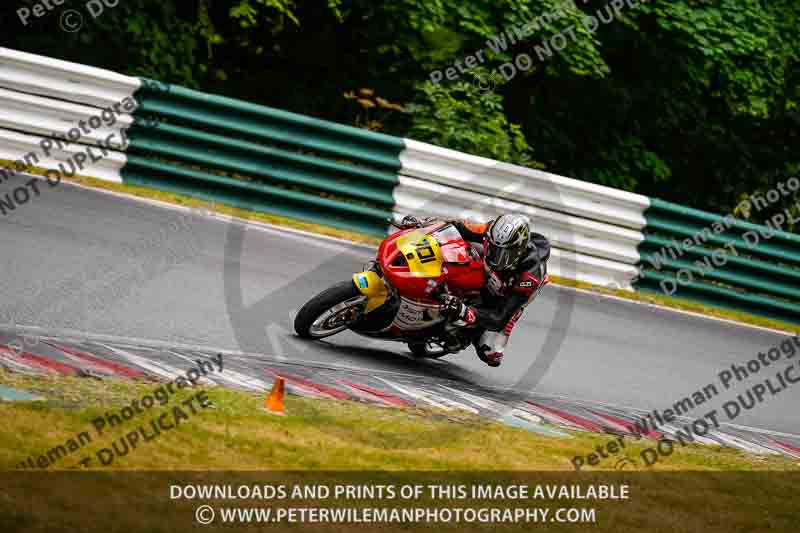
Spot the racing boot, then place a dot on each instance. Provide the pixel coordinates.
(490, 347)
(492, 344)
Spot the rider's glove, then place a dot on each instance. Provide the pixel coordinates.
(410, 221)
(459, 313)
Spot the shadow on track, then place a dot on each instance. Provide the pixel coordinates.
(394, 361)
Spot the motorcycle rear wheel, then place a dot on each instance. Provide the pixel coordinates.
(330, 312)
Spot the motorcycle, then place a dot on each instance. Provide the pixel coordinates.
(398, 296)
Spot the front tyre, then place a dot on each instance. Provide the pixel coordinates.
(330, 312)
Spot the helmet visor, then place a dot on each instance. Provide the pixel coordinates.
(499, 258)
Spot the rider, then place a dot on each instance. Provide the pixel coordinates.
(516, 265)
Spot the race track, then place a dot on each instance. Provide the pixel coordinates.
(79, 260)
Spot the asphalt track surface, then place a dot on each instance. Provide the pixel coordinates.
(86, 261)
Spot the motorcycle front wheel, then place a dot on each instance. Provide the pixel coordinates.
(330, 312)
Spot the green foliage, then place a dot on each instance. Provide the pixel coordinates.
(427, 35)
(697, 107)
(694, 101)
(630, 153)
(148, 38)
(733, 50)
(262, 15)
(466, 117)
(159, 47)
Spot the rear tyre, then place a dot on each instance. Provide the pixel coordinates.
(330, 312)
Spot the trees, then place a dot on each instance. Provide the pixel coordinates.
(468, 118)
(690, 100)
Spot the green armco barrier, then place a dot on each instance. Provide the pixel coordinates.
(256, 157)
(681, 231)
(256, 197)
(731, 277)
(268, 124)
(722, 297)
(214, 157)
(666, 218)
(706, 219)
(654, 245)
(286, 158)
(726, 269)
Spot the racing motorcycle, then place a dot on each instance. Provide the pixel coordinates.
(398, 296)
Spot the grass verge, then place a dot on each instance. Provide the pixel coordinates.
(333, 444)
(236, 434)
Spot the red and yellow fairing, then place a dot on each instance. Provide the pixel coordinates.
(372, 286)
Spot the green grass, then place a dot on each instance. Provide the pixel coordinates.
(325, 442)
(316, 434)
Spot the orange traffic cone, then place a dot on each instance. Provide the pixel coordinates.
(274, 402)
